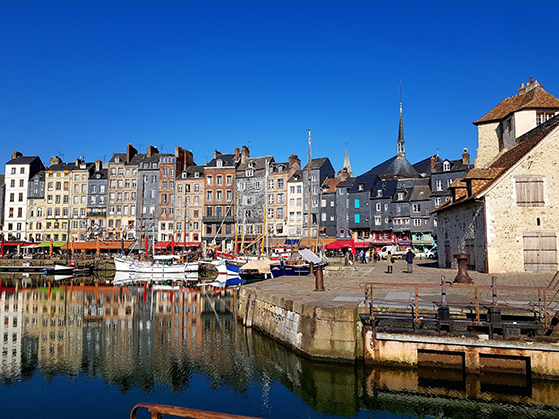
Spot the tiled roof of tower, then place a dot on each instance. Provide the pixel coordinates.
(535, 98)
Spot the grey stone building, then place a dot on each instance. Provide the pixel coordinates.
(321, 169)
(98, 185)
(148, 196)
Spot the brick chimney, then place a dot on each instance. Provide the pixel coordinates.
(54, 160)
(432, 162)
(98, 165)
(130, 153)
(237, 154)
(245, 154)
(16, 154)
(294, 162)
(216, 154)
(151, 150)
(466, 157)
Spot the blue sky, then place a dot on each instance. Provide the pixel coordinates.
(86, 78)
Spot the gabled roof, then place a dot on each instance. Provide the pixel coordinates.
(535, 98)
(316, 163)
(297, 176)
(62, 166)
(482, 179)
(330, 184)
(227, 159)
(424, 166)
(23, 160)
(258, 163)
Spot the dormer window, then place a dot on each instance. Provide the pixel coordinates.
(117, 159)
(400, 196)
(184, 175)
(249, 172)
(379, 192)
(98, 176)
(219, 163)
(251, 165)
(196, 174)
(446, 166)
(361, 186)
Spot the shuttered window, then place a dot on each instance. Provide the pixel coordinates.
(529, 191)
(540, 251)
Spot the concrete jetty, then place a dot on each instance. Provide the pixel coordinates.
(328, 324)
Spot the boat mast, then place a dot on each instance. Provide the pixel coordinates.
(265, 229)
(186, 189)
(236, 222)
(310, 189)
(141, 220)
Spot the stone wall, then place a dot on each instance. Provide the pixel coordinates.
(320, 332)
(508, 222)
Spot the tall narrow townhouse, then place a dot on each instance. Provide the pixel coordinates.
(251, 184)
(98, 185)
(189, 205)
(277, 200)
(169, 166)
(219, 215)
(122, 195)
(18, 172)
(35, 207)
(78, 199)
(58, 206)
(320, 169)
(295, 206)
(147, 200)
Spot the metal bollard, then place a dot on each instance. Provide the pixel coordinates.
(318, 279)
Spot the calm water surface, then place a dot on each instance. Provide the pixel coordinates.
(96, 351)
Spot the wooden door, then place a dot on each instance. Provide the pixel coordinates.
(540, 251)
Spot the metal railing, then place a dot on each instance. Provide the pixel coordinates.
(158, 410)
(546, 296)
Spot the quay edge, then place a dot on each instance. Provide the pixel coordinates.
(327, 333)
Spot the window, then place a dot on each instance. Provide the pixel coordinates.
(209, 196)
(448, 182)
(229, 180)
(378, 206)
(280, 183)
(218, 195)
(416, 222)
(437, 202)
(280, 212)
(400, 196)
(249, 173)
(270, 198)
(416, 207)
(292, 189)
(357, 203)
(323, 203)
(219, 180)
(270, 213)
(378, 221)
(439, 184)
(357, 218)
(446, 166)
(209, 180)
(271, 184)
(529, 191)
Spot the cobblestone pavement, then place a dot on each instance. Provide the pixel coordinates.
(344, 287)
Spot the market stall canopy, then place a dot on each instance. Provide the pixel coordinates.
(113, 245)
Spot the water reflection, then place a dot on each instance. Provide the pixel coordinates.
(147, 338)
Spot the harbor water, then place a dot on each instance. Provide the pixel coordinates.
(75, 350)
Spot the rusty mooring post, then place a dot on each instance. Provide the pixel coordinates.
(463, 277)
(318, 279)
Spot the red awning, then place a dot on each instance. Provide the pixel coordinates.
(187, 244)
(333, 245)
(362, 245)
(162, 245)
(343, 243)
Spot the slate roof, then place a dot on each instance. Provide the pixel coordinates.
(537, 98)
(297, 176)
(63, 166)
(482, 179)
(227, 159)
(23, 160)
(424, 166)
(316, 163)
(259, 164)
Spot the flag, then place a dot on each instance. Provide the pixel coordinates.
(172, 243)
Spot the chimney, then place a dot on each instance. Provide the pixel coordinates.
(98, 165)
(54, 160)
(432, 162)
(151, 150)
(130, 152)
(522, 90)
(466, 157)
(245, 154)
(531, 80)
(16, 154)
(294, 162)
(77, 161)
(237, 155)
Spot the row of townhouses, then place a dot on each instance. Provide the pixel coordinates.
(237, 197)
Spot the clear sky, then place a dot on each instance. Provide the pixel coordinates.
(84, 78)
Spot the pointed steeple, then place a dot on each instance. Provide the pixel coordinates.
(347, 165)
(401, 142)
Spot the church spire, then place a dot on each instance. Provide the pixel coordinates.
(401, 142)
(347, 166)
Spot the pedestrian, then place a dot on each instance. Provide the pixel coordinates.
(367, 256)
(390, 262)
(362, 256)
(409, 260)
